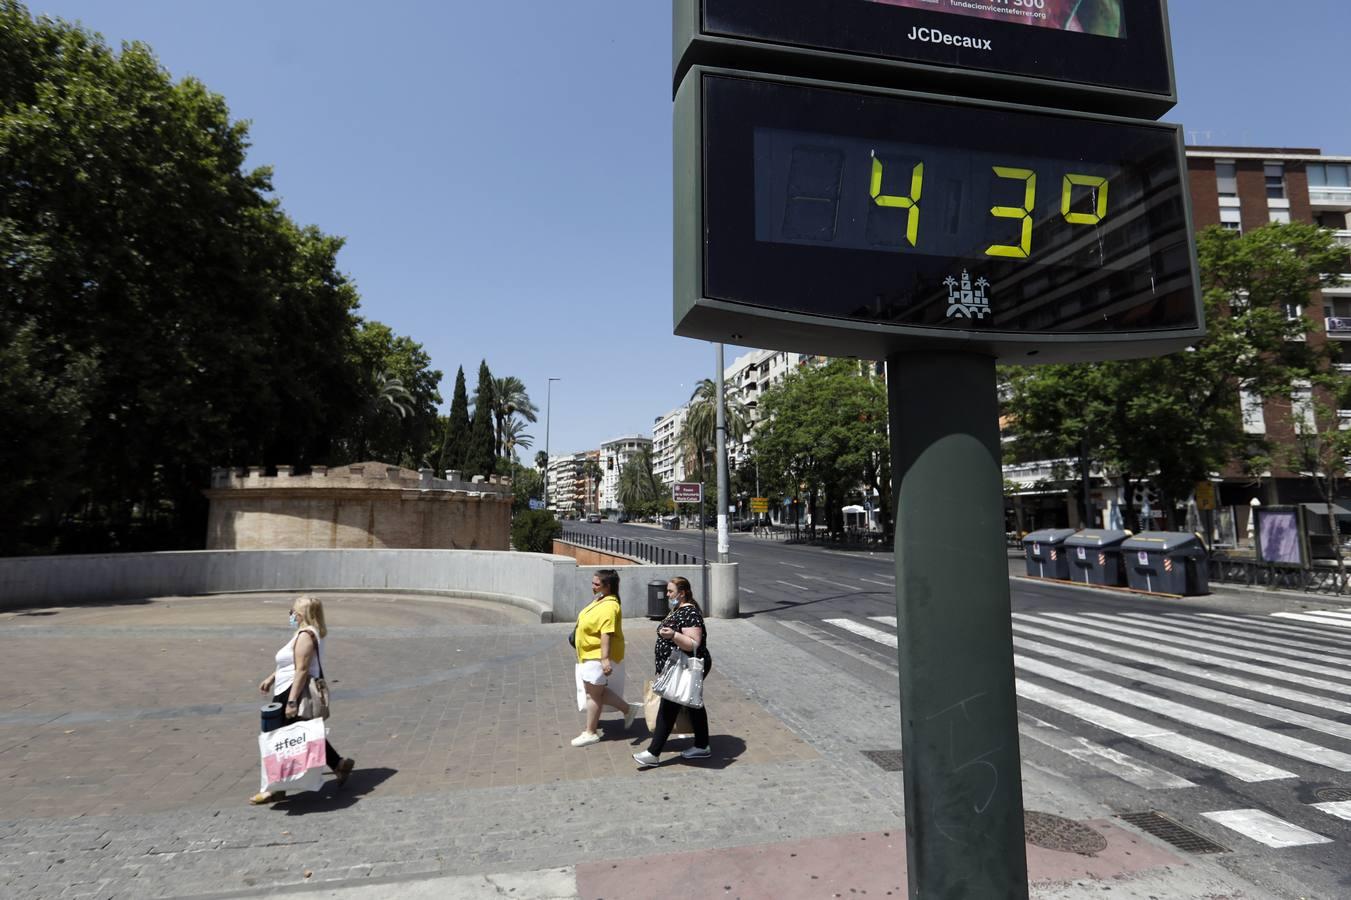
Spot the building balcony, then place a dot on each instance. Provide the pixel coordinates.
(1338, 327)
(1343, 238)
(1330, 198)
(1344, 419)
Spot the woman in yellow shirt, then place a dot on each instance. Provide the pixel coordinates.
(599, 639)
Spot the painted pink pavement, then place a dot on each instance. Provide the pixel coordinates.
(849, 865)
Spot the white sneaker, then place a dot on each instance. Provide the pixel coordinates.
(646, 760)
(696, 752)
(629, 716)
(585, 738)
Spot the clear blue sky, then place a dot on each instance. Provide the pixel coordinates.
(502, 170)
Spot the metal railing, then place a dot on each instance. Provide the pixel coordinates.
(1321, 578)
(639, 551)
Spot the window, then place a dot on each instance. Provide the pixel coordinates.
(1226, 178)
(1254, 422)
(1301, 407)
(1329, 175)
(1231, 220)
(1275, 179)
(1279, 215)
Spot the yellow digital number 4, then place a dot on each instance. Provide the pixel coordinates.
(890, 200)
(1098, 187)
(1023, 249)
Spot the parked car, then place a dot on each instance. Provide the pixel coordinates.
(593, 517)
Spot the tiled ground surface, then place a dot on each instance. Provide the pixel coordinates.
(151, 708)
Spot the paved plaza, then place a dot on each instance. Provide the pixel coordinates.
(128, 752)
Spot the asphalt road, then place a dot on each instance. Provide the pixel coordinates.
(1229, 714)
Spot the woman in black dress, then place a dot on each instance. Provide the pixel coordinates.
(683, 628)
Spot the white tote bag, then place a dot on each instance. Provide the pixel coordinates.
(682, 681)
(293, 756)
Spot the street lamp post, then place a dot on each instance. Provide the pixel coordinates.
(548, 411)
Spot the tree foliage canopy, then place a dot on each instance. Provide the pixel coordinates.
(1175, 419)
(159, 313)
(825, 428)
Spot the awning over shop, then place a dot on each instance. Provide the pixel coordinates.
(1321, 509)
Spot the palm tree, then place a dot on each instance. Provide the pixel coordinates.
(390, 391)
(698, 436)
(515, 436)
(510, 399)
(637, 481)
(541, 460)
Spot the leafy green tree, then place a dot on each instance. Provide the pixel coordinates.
(455, 439)
(1172, 420)
(534, 530)
(159, 313)
(526, 484)
(396, 421)
(825, 427)
(481, 456)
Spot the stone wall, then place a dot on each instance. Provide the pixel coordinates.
(585, 556)
(364, 506)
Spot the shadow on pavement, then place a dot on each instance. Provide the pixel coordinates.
(331, 797)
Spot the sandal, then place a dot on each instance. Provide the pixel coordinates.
(264, 797)
(343, 770)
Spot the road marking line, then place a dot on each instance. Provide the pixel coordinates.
(1312, 617)
(1339, 808)
(1113, 762)
(875, 581)
(1266, 626)
(794, 565)
(747, 590)
(1188, 715)
(1288, 645)
(1234, 701)
(885, 620)
(1208, 755)
(1247, 645)
(800, 587)
(1259, 687)
(867, 631)
(824, 637)
(1161, 646)
(1265, 828)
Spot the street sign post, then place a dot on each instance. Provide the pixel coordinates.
(693, 492)
(943, 227)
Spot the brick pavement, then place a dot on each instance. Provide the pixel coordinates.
(124, 772)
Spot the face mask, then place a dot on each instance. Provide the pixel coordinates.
(295, 621)
(673, 602)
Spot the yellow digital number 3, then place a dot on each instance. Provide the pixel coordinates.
(1023, 249)
(911, 203)
(1098, 187)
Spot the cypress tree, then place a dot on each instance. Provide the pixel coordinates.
(456, 442)
(479, 457)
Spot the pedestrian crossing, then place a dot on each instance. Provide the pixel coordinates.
(1168, 702)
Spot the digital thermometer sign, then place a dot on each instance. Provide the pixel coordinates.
(857, 222)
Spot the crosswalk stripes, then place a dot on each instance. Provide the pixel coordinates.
(1265, 828)
(1311, 616)
(1287, 680)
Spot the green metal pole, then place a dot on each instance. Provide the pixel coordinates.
(959, 726)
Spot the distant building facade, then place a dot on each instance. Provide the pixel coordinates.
(614, 455)
(368, 505)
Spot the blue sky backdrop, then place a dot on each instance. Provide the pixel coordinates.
(502, 171)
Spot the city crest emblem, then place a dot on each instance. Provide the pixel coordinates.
(964, 301)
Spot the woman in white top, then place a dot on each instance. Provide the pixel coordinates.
(301, 654)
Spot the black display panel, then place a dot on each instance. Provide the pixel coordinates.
(916, 215)
(1115, 53)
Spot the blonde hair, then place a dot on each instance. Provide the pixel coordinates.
(310, 611)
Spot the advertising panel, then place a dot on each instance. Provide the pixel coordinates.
(1100, 17)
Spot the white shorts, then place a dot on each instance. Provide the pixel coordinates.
(591, 673)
